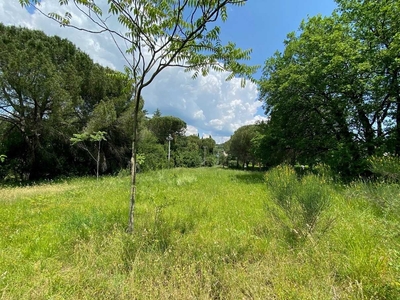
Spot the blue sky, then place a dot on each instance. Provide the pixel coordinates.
(209, 105)
(263, 24)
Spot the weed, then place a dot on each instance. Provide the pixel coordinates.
(301, 201)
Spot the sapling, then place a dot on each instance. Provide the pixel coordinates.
(80, 138)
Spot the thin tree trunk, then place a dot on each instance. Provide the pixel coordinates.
(397, 134)
(133, 165)
(98, 161)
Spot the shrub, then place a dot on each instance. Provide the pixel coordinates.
(301, 201)
(188, 159)
(387, 167)
(282, 184)
(313, 197)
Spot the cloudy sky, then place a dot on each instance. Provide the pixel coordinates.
(209, 105)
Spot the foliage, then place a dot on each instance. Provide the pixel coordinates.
(162, 127)
(301, 200)
(241, 144)
(155, 154)
(49, 90)
(282, 181)
(86, 136)
(187, 159)
(2, 157)
(387, 166)
(332, 94)
(98, 137)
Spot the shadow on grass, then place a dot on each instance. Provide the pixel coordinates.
(253, 177)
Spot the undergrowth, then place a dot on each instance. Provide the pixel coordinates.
(201, 234)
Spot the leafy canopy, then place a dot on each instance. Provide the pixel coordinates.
(162, 33)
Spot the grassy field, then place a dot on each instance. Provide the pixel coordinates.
(201, 234)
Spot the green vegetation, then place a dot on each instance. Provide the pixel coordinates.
(50, 90)
(333, 94)
(201, 233)
(158, 35)
(333, 101)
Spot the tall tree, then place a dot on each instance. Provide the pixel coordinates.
(162, 34)
(49, 90)
(33, 94)
(328, 94)
(240, 145)
(164, 126)
(376, 26)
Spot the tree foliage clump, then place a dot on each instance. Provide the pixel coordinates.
(332, 95)
(50, 90)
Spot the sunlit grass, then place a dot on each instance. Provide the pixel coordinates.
(199, 234)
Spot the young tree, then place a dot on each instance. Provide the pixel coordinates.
(162, 34)
(92, 137)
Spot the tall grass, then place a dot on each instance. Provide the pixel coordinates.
(199, 234)
(301, 200)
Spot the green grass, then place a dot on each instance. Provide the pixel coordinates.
(199, 234)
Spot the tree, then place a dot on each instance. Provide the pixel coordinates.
(49, 90)
(240, 145)
(157, 113)
(186, 151)
(154, 153)
(162, 127)
(98, 137)
(162, 34)
(33, 93)
(376, 26)
(327, 94)
(209, 143)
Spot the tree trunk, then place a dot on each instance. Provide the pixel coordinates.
(133, 164)
(98, 161)
(397, 145)
(30, 158)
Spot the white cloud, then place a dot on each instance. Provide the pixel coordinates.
(199, 115)
(191, 130)
(209, 105)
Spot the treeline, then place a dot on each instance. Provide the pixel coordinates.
(333, 95)
(50, 92)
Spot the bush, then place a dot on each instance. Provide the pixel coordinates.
(188, 159)
(313, 197)
(301, 201)
(387, 167)
(282, 183)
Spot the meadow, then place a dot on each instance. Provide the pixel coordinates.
(205, 233)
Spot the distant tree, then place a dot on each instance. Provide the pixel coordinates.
(99, 136)
(154, 153)
(186, 151)
(157, 113)
(209, 143)
(162, 127)
(240, 145)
